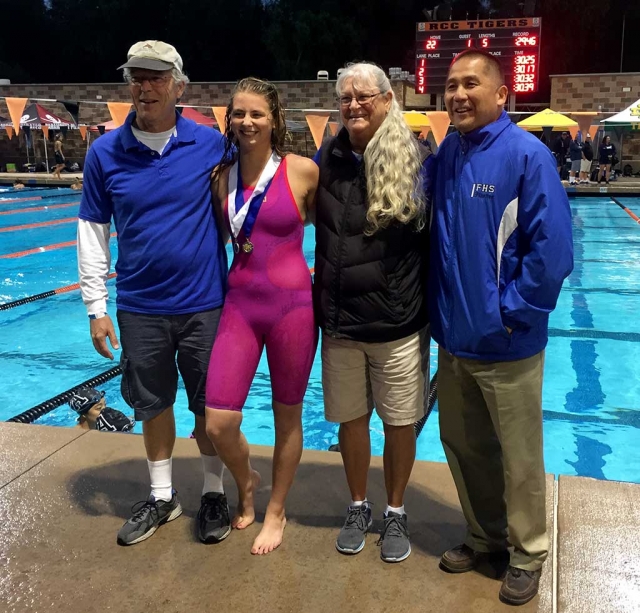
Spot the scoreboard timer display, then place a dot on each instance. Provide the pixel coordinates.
(514, 42)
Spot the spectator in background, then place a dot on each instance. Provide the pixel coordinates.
(60, 160)
(575, 153)
(606, 153)
(561, 150)
(94, 414)
(587, 158)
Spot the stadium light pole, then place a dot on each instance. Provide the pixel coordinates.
(624, 19)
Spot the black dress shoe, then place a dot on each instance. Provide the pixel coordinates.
(519, 586)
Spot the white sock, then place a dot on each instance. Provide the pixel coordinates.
(160, 473)
(213, 470)
(398, 510)
(358, 503)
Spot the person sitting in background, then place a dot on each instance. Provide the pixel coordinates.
(94, 414)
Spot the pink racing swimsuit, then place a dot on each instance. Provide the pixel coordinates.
(268, 303)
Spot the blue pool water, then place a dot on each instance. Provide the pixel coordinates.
(592, 384)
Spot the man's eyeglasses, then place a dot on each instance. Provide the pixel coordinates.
(361, 99)
(154, 81)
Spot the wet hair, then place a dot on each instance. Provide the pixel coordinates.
(279, 136)
(490, 61)
(392, 159)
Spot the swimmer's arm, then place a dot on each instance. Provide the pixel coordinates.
(303, 178)
(94, 262)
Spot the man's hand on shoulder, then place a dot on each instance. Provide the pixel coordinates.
(101, 329)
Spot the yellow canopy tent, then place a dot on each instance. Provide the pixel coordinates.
(416, 121)
(548, 119)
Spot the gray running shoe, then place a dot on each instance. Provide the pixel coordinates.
(395, 538)
(148, 516)
(214, 524)
(351, 539)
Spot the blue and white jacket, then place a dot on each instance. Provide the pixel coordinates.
(501, 243)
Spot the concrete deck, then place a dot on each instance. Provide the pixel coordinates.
(40, 179)
(65, 493)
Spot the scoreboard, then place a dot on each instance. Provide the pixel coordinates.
(514, 42)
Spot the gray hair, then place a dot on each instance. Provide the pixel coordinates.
(392, 159)
(176, 75)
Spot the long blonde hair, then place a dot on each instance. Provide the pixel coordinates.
(392, 159)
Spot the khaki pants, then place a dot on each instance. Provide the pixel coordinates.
(491, 431)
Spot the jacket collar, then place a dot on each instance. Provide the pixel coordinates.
(484, 136)
(184, 132)
(341, 146)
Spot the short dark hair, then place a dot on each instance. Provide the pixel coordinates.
(494, 65)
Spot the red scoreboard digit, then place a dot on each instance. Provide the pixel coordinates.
(514, 42)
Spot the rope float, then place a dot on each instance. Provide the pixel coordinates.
(52, 292)
(30, 415)
(34, 209)
(626, 210)
(19, 254)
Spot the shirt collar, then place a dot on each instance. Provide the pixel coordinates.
(184, 132)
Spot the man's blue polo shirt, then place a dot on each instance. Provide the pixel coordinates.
(171, 259)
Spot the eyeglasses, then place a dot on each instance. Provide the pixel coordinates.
(155, 81)
(361, 99)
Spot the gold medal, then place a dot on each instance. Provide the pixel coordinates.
(247, 246)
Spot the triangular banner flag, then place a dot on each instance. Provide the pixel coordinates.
(119, 111)
(584, 122)
(593, 130)
(101, 129)
(333, 127)
(439, 121)
(220, 113)
(317, 124)
(45, 131)
(573, 130)
(9, 130)
(16, 106)
(83, 132)
(73, 108)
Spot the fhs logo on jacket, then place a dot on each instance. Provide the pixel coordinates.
(482, 190)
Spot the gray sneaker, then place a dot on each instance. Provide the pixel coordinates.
(395, 538)
(351, 539)
(148, 516)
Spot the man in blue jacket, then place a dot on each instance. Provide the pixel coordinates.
(501, 248)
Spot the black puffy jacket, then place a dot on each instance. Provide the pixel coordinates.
(367, 288)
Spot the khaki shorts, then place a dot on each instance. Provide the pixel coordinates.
(393, 377)
(585, 166)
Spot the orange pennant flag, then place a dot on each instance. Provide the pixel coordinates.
(45, 131)
(333, 127)
(16, 106)
(119, 111)
(439, 121)
(584, 121)
(9, 130)
(317, 124)
(83, 132)
(425, 132)
(593, 130)
(220, 113)
(573, 130)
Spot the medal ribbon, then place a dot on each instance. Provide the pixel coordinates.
(243, 215)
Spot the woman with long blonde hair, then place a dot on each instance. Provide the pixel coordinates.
(370, 295)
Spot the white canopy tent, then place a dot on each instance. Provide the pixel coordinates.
(629, 118)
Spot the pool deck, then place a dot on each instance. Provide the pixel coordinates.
(39, 179)
(65, 493)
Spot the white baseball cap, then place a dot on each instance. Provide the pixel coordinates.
(153, 55)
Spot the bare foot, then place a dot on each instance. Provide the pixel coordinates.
(245, 513)
(270, 536)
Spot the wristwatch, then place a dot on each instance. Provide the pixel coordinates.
(97, 315)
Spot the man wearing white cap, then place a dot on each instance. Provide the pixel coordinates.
(151, 176)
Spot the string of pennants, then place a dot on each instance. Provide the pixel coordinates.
(436, 122)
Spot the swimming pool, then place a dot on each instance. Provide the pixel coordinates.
(591, 397)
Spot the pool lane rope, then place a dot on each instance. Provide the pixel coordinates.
(626, 210)
(30, 415)
(52, 292)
